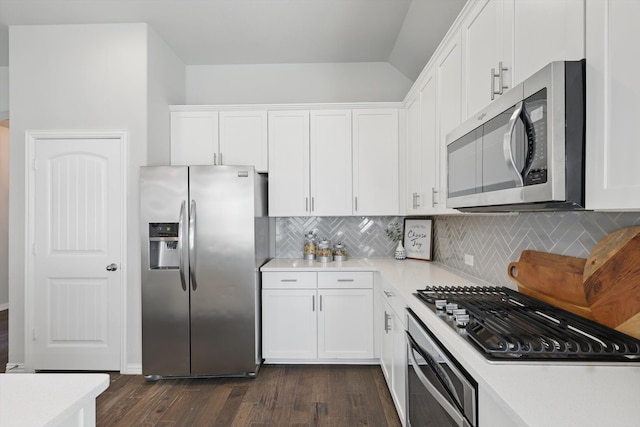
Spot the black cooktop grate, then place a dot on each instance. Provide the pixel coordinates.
(505, 324)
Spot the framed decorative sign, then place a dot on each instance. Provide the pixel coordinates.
(417, 238)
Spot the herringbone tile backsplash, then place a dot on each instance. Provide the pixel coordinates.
(493, 240)
(364, 237)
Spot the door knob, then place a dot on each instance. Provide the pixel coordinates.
(112, 267)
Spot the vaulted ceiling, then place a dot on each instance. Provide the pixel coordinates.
(402, 32)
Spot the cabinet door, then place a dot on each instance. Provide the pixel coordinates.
(561, 37)
(194, 137)
(399, 365)
(386, 343)
(449, 106)
(487, 40)
(289, 160)
(414, 161)
(330, 163)
(422, 160)
(613, 104)
(429, 144)
(243, 139)
(345, 324)
(289, 324)
(375, 162)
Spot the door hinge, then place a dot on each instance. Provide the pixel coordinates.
(33, 334)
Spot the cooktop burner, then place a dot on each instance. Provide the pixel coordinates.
(507, 325)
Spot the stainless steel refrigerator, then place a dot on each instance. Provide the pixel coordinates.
(205, 234)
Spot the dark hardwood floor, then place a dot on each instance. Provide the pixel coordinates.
(280, 396)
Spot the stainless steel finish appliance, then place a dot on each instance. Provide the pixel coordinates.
(505, 325)
(440, 392)
(205, 233)
(525, 151)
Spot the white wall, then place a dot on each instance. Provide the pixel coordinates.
(4, 90)
(4, 218)
(79, 77)
(4, 188)
(295, 83)
(166, 86)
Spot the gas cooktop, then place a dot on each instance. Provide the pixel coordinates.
(506, 325)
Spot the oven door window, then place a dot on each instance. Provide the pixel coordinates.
(436, 395)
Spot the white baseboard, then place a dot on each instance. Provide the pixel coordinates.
(132, 369)
(14, 368)
(18, 368)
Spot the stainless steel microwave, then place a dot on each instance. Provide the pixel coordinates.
(525, 151)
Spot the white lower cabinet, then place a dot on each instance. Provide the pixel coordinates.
(393, 356)
(289, 313)
(309, 316)
(345, 324)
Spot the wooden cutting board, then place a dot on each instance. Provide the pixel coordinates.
(612, 281)
(556, 279)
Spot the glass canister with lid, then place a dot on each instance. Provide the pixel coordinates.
(324, 253)
(339, 252)
(310, 246)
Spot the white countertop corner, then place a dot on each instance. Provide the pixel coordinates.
(42, 400)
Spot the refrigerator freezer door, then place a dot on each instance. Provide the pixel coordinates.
(165, 303)
(223, 259)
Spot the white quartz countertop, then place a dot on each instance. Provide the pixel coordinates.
(538, 393)
(35, 400)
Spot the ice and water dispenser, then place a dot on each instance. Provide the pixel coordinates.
(163, 246)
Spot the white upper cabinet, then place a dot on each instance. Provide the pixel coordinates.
(310, 158)
(546, 31)
(219, 138)
(194, 137)
(613, 104)
(421, 154)
(330, 163)
(289, 160)
(413, 156)
(449, 83)
(243, 139)
(486, 35)
(375, 162)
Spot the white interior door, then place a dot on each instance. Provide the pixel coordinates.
(77, 254)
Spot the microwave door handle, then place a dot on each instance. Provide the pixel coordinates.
(506, 146)
(531, 141)
(181, 246)
(433, 391)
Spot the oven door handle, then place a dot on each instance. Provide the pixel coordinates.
(433, 391)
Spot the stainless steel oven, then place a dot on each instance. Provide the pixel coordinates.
(440, 392)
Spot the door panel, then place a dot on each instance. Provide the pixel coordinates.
(165, 303)
(224, 296)
(78, 221)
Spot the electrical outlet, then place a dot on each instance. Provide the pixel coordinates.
(468, 259)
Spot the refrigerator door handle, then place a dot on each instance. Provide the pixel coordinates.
(192, 245)
(181, 235)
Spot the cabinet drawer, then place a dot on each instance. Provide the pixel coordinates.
(289, 280)
(346, 279)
